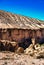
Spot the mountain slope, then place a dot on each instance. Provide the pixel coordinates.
(9, 20)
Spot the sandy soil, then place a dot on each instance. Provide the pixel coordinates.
(9, 58)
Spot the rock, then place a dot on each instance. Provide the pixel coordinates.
(39, 52)
(30, 50)
(36, 50)
(8, 45)
(20, 50)
(37, 46)
(15, 45)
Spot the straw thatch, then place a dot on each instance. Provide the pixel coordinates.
(8, 20)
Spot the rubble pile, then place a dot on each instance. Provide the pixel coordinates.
(6, 45)
(36, 50)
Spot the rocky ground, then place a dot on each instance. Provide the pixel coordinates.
(33, 55)
(10, 58)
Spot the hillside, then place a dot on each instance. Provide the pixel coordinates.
(9, 20)
(10, 52)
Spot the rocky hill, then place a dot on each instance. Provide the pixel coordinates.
(33, 55)
(9, 20)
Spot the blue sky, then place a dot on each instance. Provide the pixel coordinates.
(30, 8)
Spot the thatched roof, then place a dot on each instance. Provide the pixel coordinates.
(8, 20)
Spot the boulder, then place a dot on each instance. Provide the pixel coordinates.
(15, 45)
(39, 51)
(20, 50)
(30, 50)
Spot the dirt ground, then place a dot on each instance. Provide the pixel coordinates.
(10, 58)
